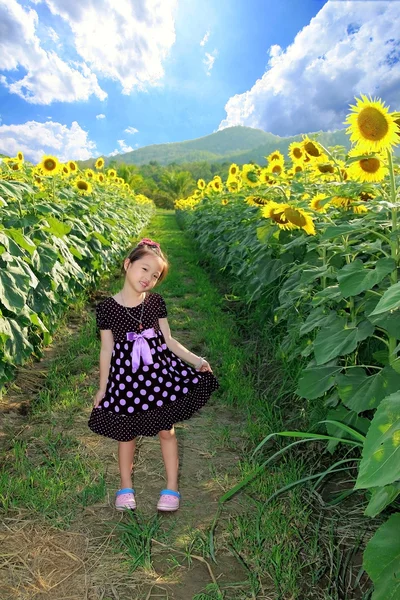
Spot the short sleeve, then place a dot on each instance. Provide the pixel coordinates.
(101, 317)
(162, 309)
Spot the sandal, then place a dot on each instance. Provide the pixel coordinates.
(169, 500)
(125, 499)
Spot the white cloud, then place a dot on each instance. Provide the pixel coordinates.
(209, 61)
(131, 130)
(349, 48)
(205, 39)
(36, 139)
(47, 77)
(122, 148)
(101, 116)
(126, 40)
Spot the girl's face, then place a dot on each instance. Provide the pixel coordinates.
(144, 273)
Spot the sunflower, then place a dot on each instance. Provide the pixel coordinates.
(101, 177)
(266, 177)
(276, 156)
(216, 185)
(249, 175)
(325, 168)
(99, 164)
(257, 201)
(20, 156)
(15, 166)
(224, 201)
(296, 152)
(112, 173)
(311, 148)
(276, 168)
(368, 169)
(84, 187)
(298, 168)
(65, 170)
(371, 125)
(289, 217)
(73, 167)
(341, 202)
(233, 170)
(201, 184)
(318, 204)
(359, 209)
(89, 173)
(234, 184)
(49, 165)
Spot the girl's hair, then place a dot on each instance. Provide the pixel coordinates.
(147, 246)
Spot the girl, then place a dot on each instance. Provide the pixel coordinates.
(145, 384)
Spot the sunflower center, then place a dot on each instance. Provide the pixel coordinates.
(295, 217)
(298, 169)
(277, 169)
(297, 153)
(50, 164)
(372, 124)
(82, 185)
(233, 171)
(278, 217)
(312, 149)
(325, 168)
(370, 165)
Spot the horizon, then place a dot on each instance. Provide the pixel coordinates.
(284, 69)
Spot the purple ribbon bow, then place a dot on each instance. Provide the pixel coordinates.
(141, 348)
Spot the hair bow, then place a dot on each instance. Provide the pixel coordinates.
(148, 242)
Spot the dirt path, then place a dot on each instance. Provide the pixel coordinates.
(39, 562)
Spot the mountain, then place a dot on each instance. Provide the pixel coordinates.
(234, 144)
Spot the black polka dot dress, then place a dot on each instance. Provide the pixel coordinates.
(149, 388)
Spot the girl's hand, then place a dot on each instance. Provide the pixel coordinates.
(205, 367)
(98, 398)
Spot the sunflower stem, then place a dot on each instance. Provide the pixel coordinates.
(394, 247)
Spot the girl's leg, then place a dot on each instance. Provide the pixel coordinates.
(126, 451)
(169, 450)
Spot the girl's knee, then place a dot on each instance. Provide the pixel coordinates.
(167, 434)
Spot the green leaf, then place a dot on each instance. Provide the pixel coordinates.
(338, 340)
(14, 288)
(330, 293)
(22, 240)
(44, 258)
(338, 230)
(315, 381)
(389, 301)
(380, 463)
(317, 318)
(17, 347)
(56, 227)
(360, 392)
(381, 497)
(355, 278)
(382, 560)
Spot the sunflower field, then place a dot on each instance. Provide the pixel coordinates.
(316, 237)
(60, 230)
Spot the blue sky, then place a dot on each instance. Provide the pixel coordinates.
(81, 79)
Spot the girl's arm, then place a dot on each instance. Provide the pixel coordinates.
(107, 346)
(177, 348)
